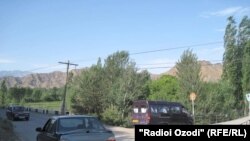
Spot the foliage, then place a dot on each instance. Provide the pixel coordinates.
(117, 82)
(246, 68)
(3, 93)
(112, 115)
(89, 91)
(215, 100)
(164, 88)
(232, 59)
(188, 75)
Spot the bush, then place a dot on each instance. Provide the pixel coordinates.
(112, 116)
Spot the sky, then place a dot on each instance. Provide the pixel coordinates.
(37, 34)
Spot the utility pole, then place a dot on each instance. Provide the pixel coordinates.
(65, 88)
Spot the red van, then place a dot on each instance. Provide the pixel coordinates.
(146, 112)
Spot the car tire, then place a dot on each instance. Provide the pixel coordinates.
(27, 118)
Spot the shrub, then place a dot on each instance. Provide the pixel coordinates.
(112, 116)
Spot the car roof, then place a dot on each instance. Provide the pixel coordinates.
(157, 102)
(71, 116)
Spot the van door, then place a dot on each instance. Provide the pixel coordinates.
(140, 114)
(164, 115)
(177, 117)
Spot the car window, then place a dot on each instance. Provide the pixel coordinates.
(69, 124)
(50, 126)
(18, 108)
(176, 109)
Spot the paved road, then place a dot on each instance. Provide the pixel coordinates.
(26, 129)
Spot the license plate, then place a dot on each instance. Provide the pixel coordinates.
(21, 116)
(135, 121)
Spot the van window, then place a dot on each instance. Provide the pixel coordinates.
(143, 110)
(136, 110)
(140, 109)
(176, 109)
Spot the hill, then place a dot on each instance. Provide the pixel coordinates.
(209, 72)
(39, 80)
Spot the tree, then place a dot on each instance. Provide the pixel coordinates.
(124, 82)
(164, 88)
(4, 92)
(229, 45)
(246, 68)
(89, 91)
(188, 75)
(232, 61)
(244, 42)
(117, 84)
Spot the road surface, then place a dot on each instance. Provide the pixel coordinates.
(26, 129)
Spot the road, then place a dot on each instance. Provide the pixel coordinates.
(26, 129)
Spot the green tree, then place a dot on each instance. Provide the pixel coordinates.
(124, 82)
(188, 75)
(243, 42)
(89, 90)
(214, 102)
(229, 45)
(4, 92)
(164, 88)
(116, 83)
(232, 61)
(246, 68)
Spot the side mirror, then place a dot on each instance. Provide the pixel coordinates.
(39, 129)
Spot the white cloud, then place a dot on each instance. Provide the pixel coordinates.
(239, 10)
(5, 61)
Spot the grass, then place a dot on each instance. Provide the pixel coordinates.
(54, 105)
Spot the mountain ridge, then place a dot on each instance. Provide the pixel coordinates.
(209, 73)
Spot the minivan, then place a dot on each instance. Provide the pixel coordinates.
(146, 112)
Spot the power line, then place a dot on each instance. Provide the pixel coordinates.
(166, 49)
(138, 53)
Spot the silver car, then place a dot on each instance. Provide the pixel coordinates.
(74, 128)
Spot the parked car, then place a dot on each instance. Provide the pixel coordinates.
(74, 128)
(14, 112)
(160, 112)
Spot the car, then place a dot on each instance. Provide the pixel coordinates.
(15, 112)
(74, 128)
(146, 112)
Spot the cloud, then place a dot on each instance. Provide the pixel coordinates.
(238, 10)
(5, 61)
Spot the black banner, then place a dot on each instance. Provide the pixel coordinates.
(203, 132)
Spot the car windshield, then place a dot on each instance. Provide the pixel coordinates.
(70, 124)
(18, 108)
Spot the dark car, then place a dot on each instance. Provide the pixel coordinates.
(160, 112)
(15, 112)
(74, 128)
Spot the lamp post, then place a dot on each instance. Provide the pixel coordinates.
(192, 97)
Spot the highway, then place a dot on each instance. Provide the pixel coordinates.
(26, 129)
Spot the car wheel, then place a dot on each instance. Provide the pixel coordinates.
(27, 118)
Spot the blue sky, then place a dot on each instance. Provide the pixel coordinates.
(36, 34)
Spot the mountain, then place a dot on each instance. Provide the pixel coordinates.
(209, 72)
(39, 80)
(15, 73)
